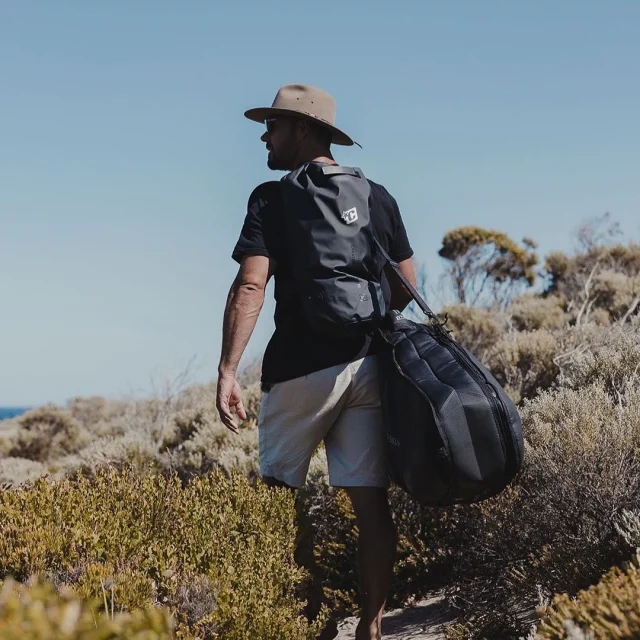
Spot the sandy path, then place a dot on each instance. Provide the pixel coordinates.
(420, 622)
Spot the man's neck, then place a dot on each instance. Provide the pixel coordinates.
(328, 159)
(315, 156)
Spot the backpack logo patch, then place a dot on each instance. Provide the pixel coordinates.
(350, 215)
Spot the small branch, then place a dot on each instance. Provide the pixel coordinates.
(581, 348)
(630, 310)
(589, 306)
(587, 290)
(480, 289)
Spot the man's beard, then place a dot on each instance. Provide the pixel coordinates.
(276, 164)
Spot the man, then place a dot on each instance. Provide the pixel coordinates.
(316, 387)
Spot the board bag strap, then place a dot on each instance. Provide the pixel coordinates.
(414, 294)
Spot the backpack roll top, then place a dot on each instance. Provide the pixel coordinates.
(336, 265)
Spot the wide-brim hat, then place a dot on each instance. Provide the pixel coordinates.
(303, 100)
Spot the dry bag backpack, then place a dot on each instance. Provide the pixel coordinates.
(453, 435)
(337, 268)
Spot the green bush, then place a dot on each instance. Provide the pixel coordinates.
(218, 552)
(609, 610)
(39, 612)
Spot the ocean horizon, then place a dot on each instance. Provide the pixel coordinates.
(12, 412)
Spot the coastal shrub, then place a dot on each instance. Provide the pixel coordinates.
(199, 443)
(475, 328)
(529, 313)
(523, 362)
(567, 274)
(39, 612)
(252, 399)
(5, 445)
(609, 610)
(527, 362)
(19, 470)
(133, 450)
(46, 433)
(334, 533)
(615, 292)
(554, 530)
(217, 552)
(611, 356)
(99, 416)
(193, 442)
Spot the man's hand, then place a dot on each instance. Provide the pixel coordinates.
(230, 398)
(244, 302)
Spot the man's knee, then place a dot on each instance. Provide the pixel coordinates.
(370, 504)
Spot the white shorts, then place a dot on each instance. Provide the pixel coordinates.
(340, 405)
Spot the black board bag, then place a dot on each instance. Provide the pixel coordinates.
(453, 435)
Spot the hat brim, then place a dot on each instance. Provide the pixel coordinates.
(260, 114)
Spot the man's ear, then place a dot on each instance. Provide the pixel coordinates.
(302, 129)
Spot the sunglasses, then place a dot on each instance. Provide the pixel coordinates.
(270, 123)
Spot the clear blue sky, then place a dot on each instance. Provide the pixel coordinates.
(126, 162)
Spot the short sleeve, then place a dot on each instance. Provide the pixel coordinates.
(399, 249)
(259, 235)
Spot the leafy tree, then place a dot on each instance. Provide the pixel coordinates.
(486, 266)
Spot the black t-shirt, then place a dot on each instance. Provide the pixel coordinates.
(295, 349)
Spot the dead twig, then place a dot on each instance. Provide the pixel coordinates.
(630, 310)
(587, 292)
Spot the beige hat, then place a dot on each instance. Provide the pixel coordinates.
(307, 101)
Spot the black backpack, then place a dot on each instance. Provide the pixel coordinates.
(453, 435)
(337, 267)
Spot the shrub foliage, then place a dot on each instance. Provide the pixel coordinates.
(39, 612)
(218, 552)
(609, 610)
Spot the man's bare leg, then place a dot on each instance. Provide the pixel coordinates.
(376, 555)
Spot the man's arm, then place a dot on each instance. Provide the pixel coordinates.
(244, 303)
(400, 296)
